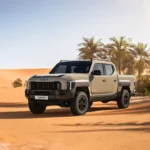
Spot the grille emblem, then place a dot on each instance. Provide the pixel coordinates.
(44, 79)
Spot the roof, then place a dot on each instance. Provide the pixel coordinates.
(94, 59)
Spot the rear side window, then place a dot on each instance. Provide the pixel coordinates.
(109, 69)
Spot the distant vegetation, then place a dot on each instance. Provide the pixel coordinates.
(17, 83)
(129, 58)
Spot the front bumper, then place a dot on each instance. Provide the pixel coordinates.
(52, 95)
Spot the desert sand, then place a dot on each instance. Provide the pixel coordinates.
(104, 127)
(7, 76)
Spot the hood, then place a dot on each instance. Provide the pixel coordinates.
(63, 78)
(71, 76)
(75, 76)
(49, 75)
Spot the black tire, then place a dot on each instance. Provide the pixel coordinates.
(36, 108)
(90, 104)
(80, 104)
(124, 100)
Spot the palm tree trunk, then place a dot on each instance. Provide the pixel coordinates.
(139, 73)
(119, 66)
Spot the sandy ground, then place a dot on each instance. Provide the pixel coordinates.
(104, 127)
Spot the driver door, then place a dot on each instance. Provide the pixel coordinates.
(98, 82)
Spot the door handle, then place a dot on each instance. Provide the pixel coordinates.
(115, 80)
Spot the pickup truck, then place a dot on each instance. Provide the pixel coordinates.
(77, 84)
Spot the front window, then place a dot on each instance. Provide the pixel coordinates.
(72, 67)
(99, 67)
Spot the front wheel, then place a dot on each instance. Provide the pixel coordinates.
(124, 100)
(80, 104)
(36, 108)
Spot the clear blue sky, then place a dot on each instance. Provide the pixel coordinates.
(39, 33)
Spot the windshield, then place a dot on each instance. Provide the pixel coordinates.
(72, 67)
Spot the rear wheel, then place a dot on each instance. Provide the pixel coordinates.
(36, 108)
(80, 104)
(124, 100)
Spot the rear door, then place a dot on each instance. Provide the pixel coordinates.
(111, 78)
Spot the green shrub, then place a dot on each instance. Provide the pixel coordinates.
(143, 85)
(17, 83)
(147, 92)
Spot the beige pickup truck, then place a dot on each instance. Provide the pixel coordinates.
(77, 84)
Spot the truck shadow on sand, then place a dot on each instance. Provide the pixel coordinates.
(110, 109)
(28, 115)
(49, 113)
(13, 105)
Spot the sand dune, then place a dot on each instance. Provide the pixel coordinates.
(7, 76)
(104, 127)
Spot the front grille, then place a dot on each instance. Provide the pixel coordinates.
(42, 85)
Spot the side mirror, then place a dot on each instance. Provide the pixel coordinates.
(96, 72)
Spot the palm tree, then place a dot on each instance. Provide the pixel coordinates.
(118, 50)
(128, 66)
(142, 57)
(90, 49)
